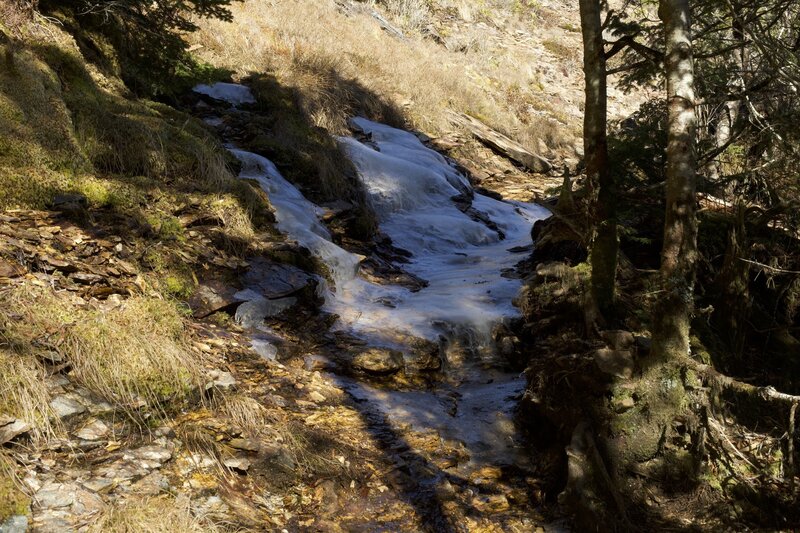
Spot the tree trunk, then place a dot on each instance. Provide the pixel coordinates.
(595, 143)
(672, 316)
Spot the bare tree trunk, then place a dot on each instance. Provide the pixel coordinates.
(595, 143)
(672, 316)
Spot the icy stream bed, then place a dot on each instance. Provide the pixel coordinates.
(465, 260)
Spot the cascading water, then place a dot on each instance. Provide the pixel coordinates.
(410, 188)
(463, 254)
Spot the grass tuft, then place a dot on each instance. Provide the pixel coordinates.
(135, 352)
(163, 514)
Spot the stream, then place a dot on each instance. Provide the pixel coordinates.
(463, 244)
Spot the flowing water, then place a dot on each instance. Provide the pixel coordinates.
(466, 255)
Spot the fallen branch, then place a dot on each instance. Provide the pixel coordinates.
(502, 144)
(766, 393)
(770, 268)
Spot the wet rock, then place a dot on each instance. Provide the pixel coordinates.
(66, 407)
(379, 361)
(211, 297)
(11, 428)
(617, 363)
(445, 491)
(265, 349)
(15, 524)
(487, 473)
(275, 281)
(93, 430)
(256, 308)
(428, 355)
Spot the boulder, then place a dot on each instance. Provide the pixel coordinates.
(379, 361)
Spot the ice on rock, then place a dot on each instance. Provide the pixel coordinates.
(411, 188)
(233, 93)
(297, 217)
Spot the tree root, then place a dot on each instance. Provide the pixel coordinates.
(767, 394)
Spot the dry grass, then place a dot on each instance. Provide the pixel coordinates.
(247, 414)
(23, 393)
(66, 127)
(137, 351)
(163, 514)
(322, 55)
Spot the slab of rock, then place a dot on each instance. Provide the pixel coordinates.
(221, 380)
(316, 397)
(149, 457)
(93, 430)
(246, 445)
(617, 363)
(211, 297)
(256, 308)
(379, 361)
(66, 407)
(54, 495)
(15, 524)
(99, 485)
(11, 428)
(9, 269)
(240, 464)
(273, 280)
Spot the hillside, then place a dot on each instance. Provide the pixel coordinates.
(395, 265)
(124, 234)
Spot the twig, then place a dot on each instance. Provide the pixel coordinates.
(767, 267)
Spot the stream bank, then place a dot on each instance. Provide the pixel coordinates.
(434, 357)
(397, 421)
